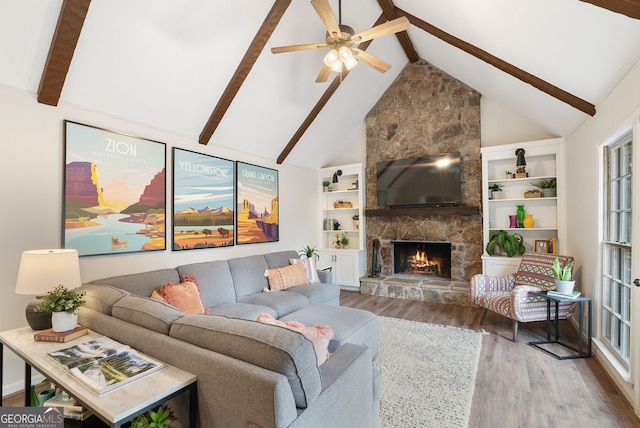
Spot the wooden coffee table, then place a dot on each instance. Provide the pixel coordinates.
(113, 408)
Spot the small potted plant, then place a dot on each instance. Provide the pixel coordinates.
(507, 174)
(547, 187)
(356, 221)
(501, 242)
(63, 304)
(309, 252)
(325, 185)
(344, 241)
(562, 276)
(159, 418)
(495, 191)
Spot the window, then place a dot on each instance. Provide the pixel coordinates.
(616, 263)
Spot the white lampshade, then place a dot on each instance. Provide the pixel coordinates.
(42, 270)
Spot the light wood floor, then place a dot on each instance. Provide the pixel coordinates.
(516, 384)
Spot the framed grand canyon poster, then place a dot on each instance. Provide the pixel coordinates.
(257, 204)
(203, 190)
(114, 192)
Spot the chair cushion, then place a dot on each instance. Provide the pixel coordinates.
(535, 270)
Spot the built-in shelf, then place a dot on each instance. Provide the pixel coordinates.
(422, 211)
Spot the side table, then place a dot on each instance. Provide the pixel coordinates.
(114, 408)
(579, 351)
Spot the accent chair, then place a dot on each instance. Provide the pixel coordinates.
(509, 295)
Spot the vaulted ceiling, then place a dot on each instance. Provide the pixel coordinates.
(204, 69)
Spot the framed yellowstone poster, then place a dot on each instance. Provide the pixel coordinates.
(257, 204)
(203, 189)
(114, 192)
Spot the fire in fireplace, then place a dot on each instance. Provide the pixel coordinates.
(422, 258)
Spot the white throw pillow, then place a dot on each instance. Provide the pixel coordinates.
(309, 267)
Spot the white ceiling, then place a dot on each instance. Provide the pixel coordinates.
(165, 63)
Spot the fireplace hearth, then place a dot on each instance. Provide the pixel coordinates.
(430, 259)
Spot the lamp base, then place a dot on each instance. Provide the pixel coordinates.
(37, 320)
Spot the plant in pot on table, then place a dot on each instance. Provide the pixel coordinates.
(562, 276)
(495, 191)
(63, 304)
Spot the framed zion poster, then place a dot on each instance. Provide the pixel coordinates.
(257, 204)
(114, 187)
(202, 201)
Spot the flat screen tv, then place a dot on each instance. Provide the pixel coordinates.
(429, 180)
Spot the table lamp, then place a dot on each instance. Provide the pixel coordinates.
(40, 271)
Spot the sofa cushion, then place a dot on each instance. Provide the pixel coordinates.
(101, 298)
(146, 312)
(214, 278)
(282, 302)
(280, 258)
(248, 275)
(351, 325)
(142, 284)
(318, 293)
(273, 348)
(319, 335)
(185, 296)
(286, 277)
(246, 311)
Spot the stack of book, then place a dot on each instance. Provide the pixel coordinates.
(70, 407)
(574, 294)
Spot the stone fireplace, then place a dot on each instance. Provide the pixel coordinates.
(425, 112)
(426, 259)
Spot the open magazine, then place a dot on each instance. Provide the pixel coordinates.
(104, 364)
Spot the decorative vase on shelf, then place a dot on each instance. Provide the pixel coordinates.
(513, 221)
(528, 221)
(520, 215)
(64, 321)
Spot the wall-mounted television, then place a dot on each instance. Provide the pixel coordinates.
(428, 180)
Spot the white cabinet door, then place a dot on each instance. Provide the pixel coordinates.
(345, 265)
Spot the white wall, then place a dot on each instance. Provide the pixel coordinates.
(31, 165)
(583, 149)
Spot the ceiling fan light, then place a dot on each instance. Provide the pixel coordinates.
(337, 66)
(331, 58)
(347, 57)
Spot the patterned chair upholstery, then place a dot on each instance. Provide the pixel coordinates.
(509, 296)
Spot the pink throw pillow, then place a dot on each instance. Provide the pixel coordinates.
(319, 335)
(184, 296)
(286, 277)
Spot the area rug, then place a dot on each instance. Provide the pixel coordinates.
(428, 374)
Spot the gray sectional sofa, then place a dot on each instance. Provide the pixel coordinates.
(249, 374)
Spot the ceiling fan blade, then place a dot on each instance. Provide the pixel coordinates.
(372, 61)
(293, 48)
(323, 75)
(323, 9)
(389, 27)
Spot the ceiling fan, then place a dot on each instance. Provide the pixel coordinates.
(340, 40)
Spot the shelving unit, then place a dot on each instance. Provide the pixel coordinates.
(545, 160)
(347, 264)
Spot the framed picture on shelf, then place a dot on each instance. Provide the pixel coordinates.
(541, 246)
(114, 192)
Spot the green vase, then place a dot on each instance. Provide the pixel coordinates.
(520, 215)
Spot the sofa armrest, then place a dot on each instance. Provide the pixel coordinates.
(347, 391)
(325, 275)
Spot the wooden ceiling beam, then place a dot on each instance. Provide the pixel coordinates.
(63, 45)
(546, 87)
(389, 10)
(250, 57)
(324, 99)
(630, 8)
